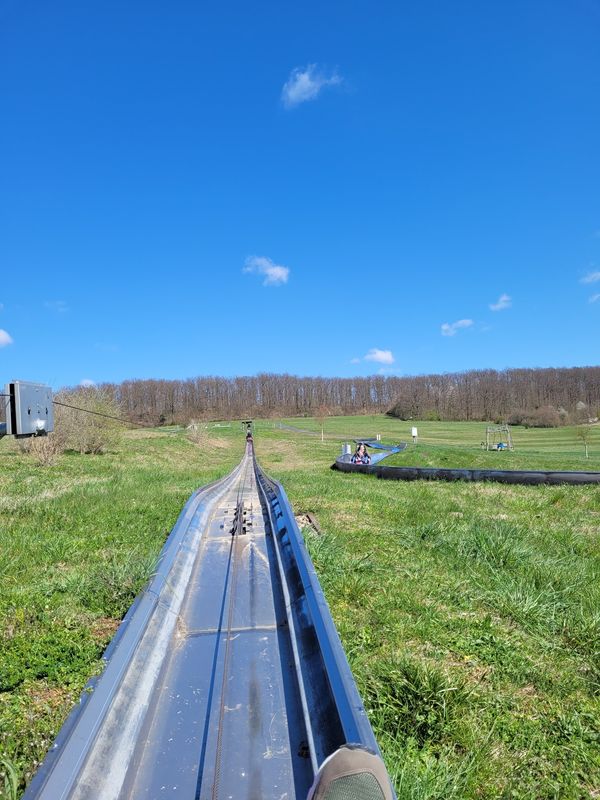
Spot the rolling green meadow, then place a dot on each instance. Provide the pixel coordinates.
(470, 613)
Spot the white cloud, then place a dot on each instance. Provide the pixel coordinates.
(306, 84)
(355, 360)
(59, 306)
(5, 338)
(594, 298)
(274, 274)
(87, 383)
(504, 301)
(591, 277)
(380, 356)
(450, 328)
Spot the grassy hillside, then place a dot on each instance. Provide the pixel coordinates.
(469, 612)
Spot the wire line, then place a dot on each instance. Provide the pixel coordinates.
(118, 419)
(100, 414)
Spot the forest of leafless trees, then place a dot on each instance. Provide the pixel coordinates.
(534, 396)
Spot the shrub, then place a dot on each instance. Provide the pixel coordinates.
(197, 433)
(45, 450)
(517, 417)
(87, 432)
(401, 410)
(544, 417)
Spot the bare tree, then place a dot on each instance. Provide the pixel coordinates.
(477, 395)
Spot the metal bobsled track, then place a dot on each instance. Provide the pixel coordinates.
(227, 678)
(524, 477)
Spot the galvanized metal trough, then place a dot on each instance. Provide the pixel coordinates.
(227, 678)
(512, 476)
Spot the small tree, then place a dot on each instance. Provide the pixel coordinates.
(322, 413)
(584, 434)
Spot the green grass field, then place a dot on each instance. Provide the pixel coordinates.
(539, 448)
(470, 613)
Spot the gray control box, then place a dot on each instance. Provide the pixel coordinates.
(29, 410)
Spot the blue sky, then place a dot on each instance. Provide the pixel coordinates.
(317, 188)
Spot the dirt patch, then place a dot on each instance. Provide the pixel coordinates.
(216, 443)
(526, 691)
(41, 696)
(588, 530)
(208, 443)
(308, 520)
(104, 628)
(141, 434)
(474, 672)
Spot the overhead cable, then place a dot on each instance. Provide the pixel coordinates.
(100, 414)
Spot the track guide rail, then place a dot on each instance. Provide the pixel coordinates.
(227, 678)
(511, 476)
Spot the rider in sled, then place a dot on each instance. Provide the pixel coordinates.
(361, 456)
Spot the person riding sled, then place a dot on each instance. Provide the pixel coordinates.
(361, 456)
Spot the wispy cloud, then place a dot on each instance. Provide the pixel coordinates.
(87, 383)
(450, 328)
(306, 84)
(380, 356)
(591, 277)
(5, 338)
(275, 274)
(594, 298)
(58, 306)
(1, 306)
(504, 301)
(355, 360)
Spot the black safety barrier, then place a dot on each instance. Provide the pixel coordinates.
(523, 477)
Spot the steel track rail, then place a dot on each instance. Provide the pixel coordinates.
(227, 678)
(515, 477)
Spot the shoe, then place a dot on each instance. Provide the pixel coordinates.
(351, 773)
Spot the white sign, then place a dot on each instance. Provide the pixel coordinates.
(414, 433)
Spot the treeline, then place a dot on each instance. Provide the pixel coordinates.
(507, 395)
(264, 395)
(542, 397)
